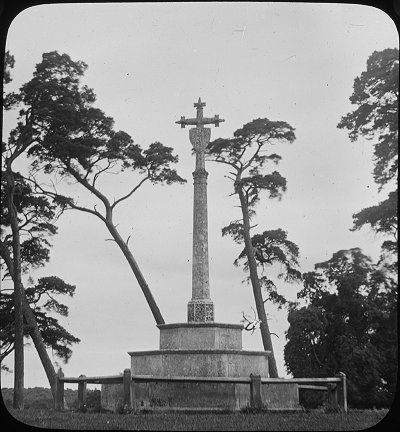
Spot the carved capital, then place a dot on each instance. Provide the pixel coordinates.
(200, 173)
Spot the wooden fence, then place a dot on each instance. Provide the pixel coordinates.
(335, 386)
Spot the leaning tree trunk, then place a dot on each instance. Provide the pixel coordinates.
(18, 399)
(255, 282)
(32, 325)
(108, 220)
(39, 345)
(135, 268)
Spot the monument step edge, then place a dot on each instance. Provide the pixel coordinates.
(200, 351)
(200, 324)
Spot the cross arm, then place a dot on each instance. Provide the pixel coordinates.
(200, 122)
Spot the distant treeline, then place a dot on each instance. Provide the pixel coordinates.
(41, 398)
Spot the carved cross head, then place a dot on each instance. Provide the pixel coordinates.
(200, 137)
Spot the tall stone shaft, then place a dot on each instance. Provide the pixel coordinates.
(200, 307)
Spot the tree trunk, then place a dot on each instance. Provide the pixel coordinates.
(34, 329)
(18, 400)
(139, 276)
(40, 346)
(255, 282)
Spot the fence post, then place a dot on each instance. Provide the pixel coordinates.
(332, 401)
(82, 395)
(127, 388)
(255, 391)
(342, 391)
(133, 396)
(59, 399)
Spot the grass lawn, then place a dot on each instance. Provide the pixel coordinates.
(305, 421)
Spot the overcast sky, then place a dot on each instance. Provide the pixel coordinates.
(148, 63)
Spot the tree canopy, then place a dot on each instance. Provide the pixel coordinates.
(69, 138)
(348, 325)
(42, 298)
(27, 220)
(376, 94)
(36, 216)
(247, 153)
(72, 137)
(273, 249)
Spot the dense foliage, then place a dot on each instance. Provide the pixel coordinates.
(272, 248)
(376, 95)
(42, 298)
(72, 137)
(348, 325)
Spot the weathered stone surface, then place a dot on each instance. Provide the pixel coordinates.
(200, 308)
(200, 336)
(112, 397)
(199, 138)
(185, 396)
(201, 363)
(280, 396)
(200, 396)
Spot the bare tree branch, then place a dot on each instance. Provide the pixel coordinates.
(130, 193)
(92, 189)
(69, 202)
(96, 175)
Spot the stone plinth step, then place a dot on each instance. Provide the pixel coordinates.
(200, 335)
(201, 363)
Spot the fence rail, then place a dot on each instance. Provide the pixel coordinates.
(335, 386)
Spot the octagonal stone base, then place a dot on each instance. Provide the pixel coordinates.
(199, 349)
(196, 349)
(192, 336)
(195, 363)
(201, 363)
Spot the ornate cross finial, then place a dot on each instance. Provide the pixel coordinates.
(199, 108)
(200, 121)
(199, 104)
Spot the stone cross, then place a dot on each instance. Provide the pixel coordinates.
(200, 307)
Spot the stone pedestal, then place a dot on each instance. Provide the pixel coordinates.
(199, 363)
(196, 349)
(202, 336)
(200, 349)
